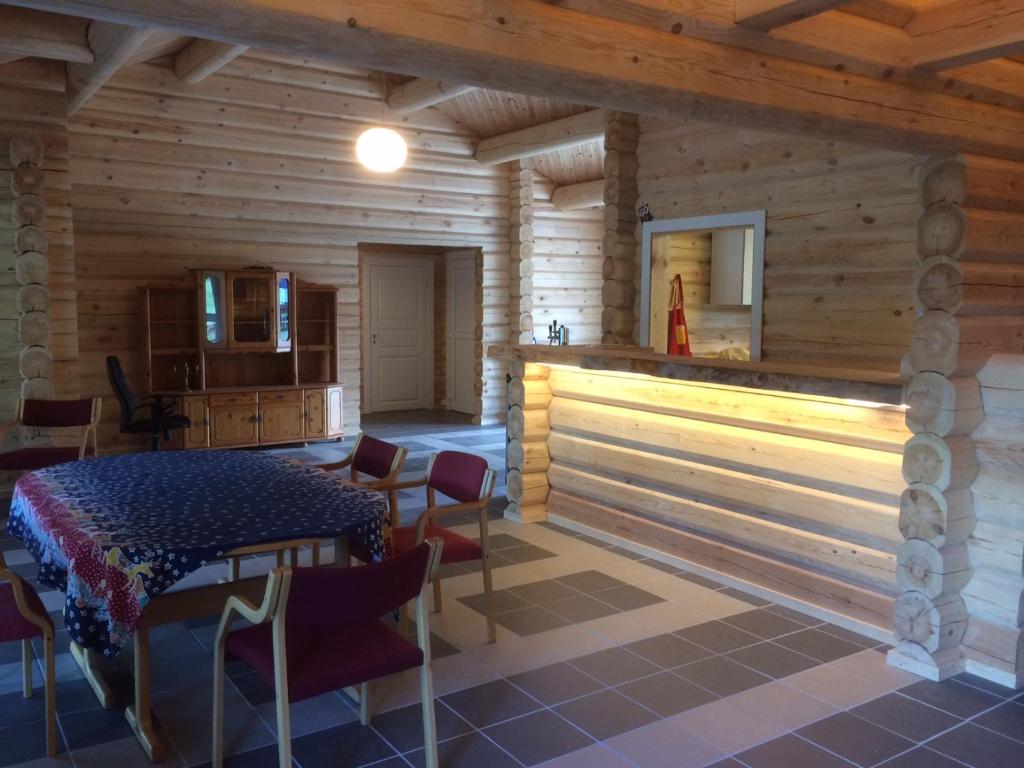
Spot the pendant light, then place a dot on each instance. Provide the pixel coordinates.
(380, 149)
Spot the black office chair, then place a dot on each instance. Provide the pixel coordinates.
(161, 419)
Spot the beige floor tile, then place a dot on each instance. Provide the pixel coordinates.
(872, 665)
(783, 705)
(726, 726)
(714, 604)
(596, 756)
(646, 622)
(395, 691)
(835, 686)
(664, 744)
(123, 753)
(453, 673)
(513, 654)
(62, 760)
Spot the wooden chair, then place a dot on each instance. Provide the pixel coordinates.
(467, 479)
(319, 630)
(52, 414)
(23, 617)
(380, 460)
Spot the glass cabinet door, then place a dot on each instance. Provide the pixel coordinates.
(284, 312)
(215, 334)
(252, 309)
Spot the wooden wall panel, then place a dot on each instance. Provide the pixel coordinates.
(255, 165)
(841, 243)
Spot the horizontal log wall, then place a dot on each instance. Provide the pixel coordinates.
(841, 219)
(810, 483)
(255, 165)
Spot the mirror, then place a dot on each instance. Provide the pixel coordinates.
(702, 286)
(213, 303)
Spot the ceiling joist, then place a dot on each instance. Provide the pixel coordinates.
(546, 137)
(201, 58)
(573, 197)
(422, 93)
(964, 32)
(25, 32)
(112, 45)
(769, 14)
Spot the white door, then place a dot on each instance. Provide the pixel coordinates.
(462, 332)
(398, 336)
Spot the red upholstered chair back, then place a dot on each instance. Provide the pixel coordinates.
(340, 596)
(373, 457)
(57, 413)
(458, 475)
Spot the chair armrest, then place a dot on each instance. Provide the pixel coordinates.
(333, 465)
(453, 509)
(399, 486)
(277, 585)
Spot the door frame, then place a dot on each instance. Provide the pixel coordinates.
(366, 262)
(464, 255)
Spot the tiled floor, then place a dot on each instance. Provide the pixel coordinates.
(604, 660)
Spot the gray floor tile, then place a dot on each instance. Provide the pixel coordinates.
(346, 746)
(668, 650)
(627, 553)
(255, 689)
(474, 750)
(722, 676)
(605, 714)
(695, 579)
(727, 763)
(790, 751)
(89, 727)
(15, 709)
(717, 636)
(538, 737)
(855, 739)
(664, 567)
(773, 660)
(666, 694)
(851, 637)
(799, 617)
(581, 608)
(25, 742)
(614, 666)
(957, 699)
(921, 757)
(979, 747)
(1007, 719)
(265, 757)
(590, 582)
(745, 597)
(527, 553)
(819, 645)
(531, 621)
(908, 717)
(542, 592)
(504, 541)
(403, 727)
(504, 600)
(556, 683)
(763, 623)
(986, 685)
(490, 703)
(628, 597)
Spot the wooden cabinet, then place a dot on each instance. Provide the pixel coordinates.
(198, 435)
(316, 413)
(234, 420)
(252, 310)
(281, 416)
(335, 415)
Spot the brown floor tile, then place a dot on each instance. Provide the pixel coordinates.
(614, 666)
(556, 683)
(922, 757)
(473, 750)
(668, 650)
(745, 597)
(851, 637)
(855, 739)
(666, 694)
(628, 598)
(979, 747)
(957, 699)
(605, 714)
(526, 553)
(1007, 719)
(788, 613)
(490, 703)
(773, 660)
(695, 579)
(581, 608)
(504, 600)
(538, 737)
(590, 581)
(986, 685)
(819, 645)
(908, 717)
(790, 751)
(717, 636)
(722, 676)
(542, 592)
(763, 623)
(530, 621)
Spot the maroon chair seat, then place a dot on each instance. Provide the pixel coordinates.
(322, 659)
(28, 459)
(457, 548)
(14, 626)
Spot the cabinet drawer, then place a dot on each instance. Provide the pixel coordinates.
(236, 398)
(281, 396)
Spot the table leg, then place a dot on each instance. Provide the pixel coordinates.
(341, 551)
(89, 662)
(139, 714)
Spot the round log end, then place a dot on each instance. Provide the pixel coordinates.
(941, 230)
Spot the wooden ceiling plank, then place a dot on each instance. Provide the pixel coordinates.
(112, 45)
(201, 58)
(769, 14)
(549, 50)
(962, 32)
(573, 197)
(546, 137)
(26, 32)
(422, 93)
(895, 13)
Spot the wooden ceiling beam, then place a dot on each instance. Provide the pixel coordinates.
(574, 197)
(112, 45)
(546, 137)
(963, 32)
(422, 93)
(201, 58)
(769, 14)
(552, 51)
(26, 32)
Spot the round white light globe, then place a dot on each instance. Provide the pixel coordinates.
(381, 150)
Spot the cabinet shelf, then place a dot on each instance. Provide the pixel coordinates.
(175, 351)
(315, 347)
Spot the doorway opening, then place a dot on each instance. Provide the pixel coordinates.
(421, 321)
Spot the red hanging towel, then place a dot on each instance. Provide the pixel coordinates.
(678, 337)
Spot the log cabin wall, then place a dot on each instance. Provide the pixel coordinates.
(255, 165)
(841, 229)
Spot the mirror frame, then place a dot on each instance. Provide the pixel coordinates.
(754, 219)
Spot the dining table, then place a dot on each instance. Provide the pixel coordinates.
(117, 533)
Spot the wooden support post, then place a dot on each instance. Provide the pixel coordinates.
(527, 454)
(620, 196)
(520, 311)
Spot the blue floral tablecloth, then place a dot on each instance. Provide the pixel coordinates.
(114, 532)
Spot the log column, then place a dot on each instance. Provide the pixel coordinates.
(527, 449)
(620, 194)
(520, 311)
(967, 294)
(31, 271)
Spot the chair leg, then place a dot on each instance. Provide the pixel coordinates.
(218, 707)
(437, 595)
(485, 568)
(315, 557)
(365, 710)
(403, 620)
(51, 697)
(429, 722)
(284, 731)
(233, 569)
(26, 668)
